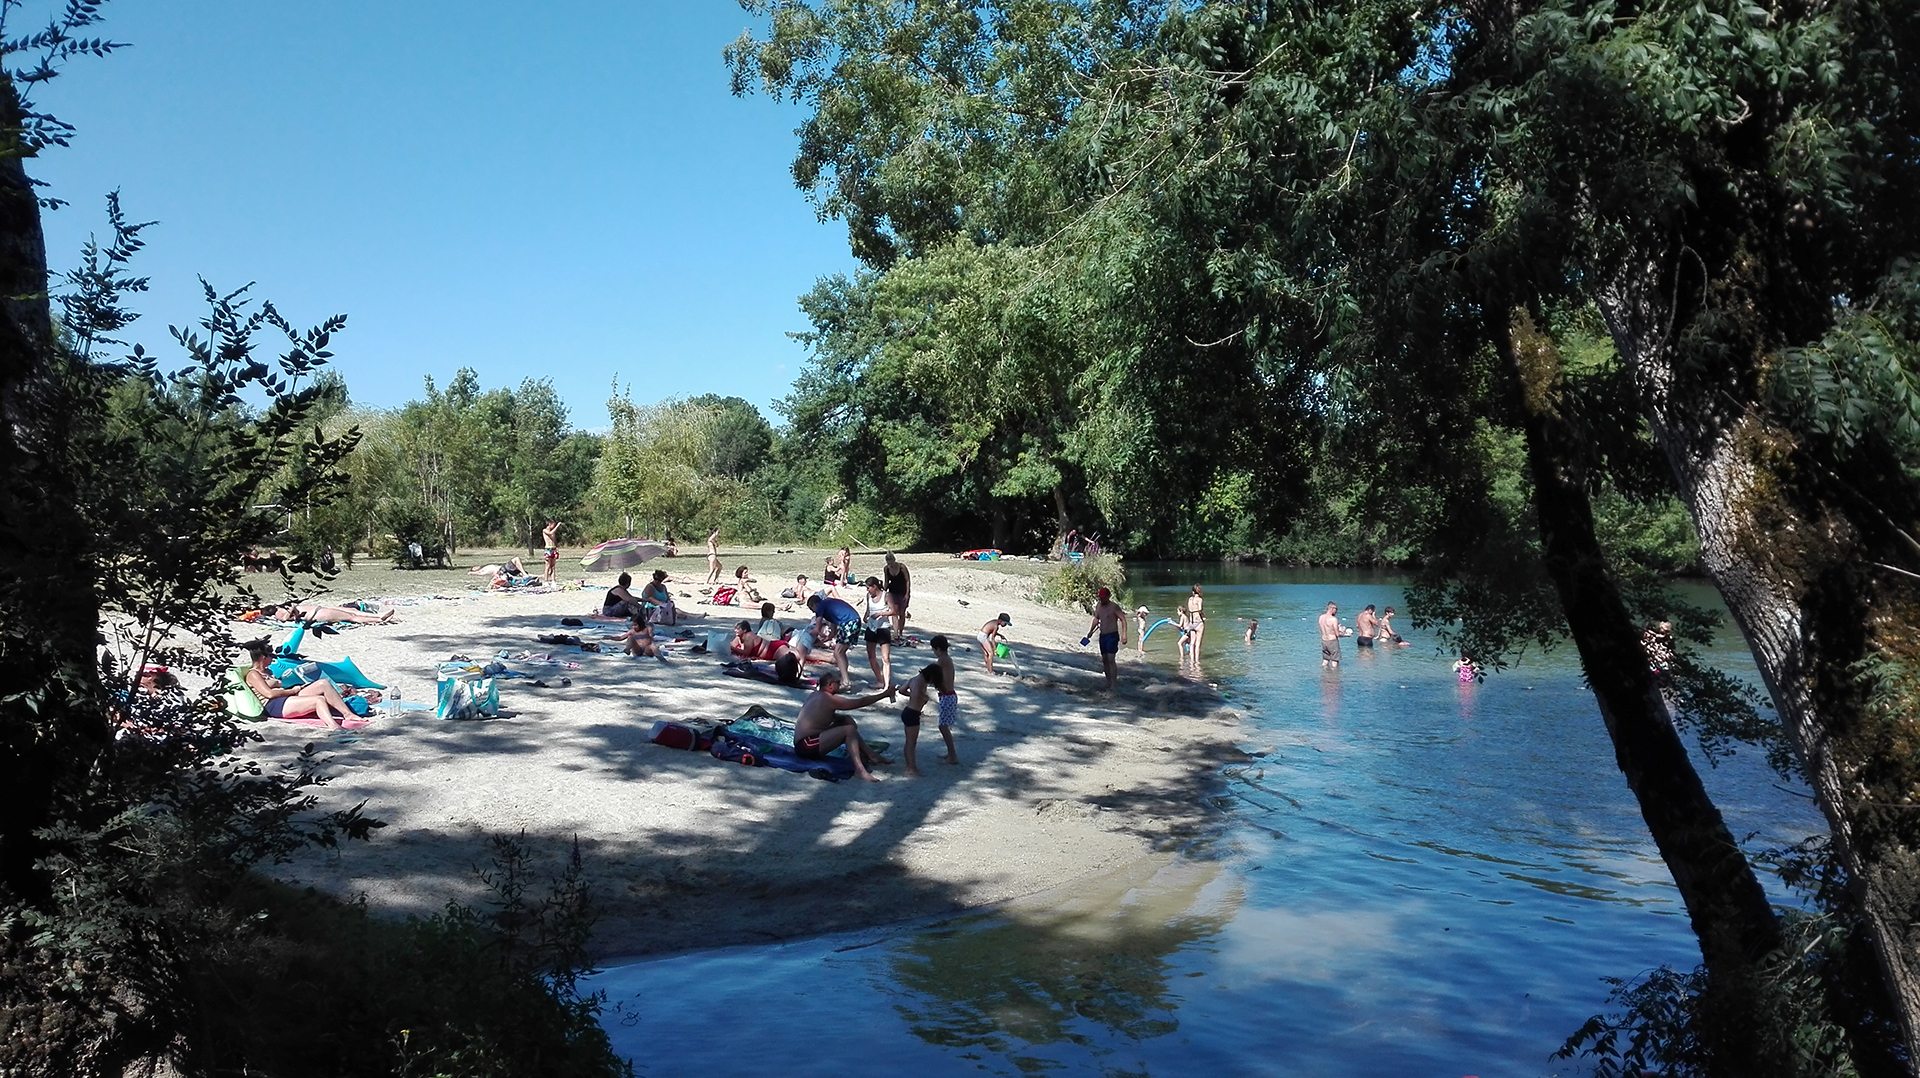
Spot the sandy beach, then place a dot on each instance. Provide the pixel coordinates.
(1057, 781)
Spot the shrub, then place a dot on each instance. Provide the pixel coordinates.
(1075, 583)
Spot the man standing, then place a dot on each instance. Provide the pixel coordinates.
(551, 536)
(1365, 627)
(899, 589)
(1330, 633)
(1111, 623)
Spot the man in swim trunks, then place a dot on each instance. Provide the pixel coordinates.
(551, 536)
(1330, 633)
(821, 728)
(1111, 623)
(846, 627)
(1365, 628)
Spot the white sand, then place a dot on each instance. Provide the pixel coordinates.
(1057, 782)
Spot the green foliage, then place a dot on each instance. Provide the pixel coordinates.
(1074, 583)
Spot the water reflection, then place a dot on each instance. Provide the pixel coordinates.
(1092, 971)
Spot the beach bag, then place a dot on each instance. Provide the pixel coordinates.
(728, 747)
(723, 596)
(468, 698)
(677, 735)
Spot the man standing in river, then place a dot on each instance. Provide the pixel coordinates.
(1330, 633)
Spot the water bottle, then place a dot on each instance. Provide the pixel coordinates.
(393, 699)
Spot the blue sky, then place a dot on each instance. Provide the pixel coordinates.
(531, 190)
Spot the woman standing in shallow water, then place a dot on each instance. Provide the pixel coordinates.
(1196, 620)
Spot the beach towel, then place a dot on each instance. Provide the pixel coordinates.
(759, 752)
(723, 596)
(314, 720)
(762, 672)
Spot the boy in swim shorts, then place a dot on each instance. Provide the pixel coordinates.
(1111, 623)
(990, 637)
(949, 700)
(928, 677)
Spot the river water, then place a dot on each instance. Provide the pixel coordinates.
(1413, 876)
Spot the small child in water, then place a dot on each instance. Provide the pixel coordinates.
(928, 678)
(1253, 628)
(949, 699)
(1468, 670)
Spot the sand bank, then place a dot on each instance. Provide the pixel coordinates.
(1057, 781)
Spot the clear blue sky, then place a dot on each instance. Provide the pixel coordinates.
(530, 190)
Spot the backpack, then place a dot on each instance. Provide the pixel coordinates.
(741, 751)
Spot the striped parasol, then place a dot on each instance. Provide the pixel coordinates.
(622, 554)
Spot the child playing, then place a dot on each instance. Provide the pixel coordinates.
(928, 677)
(639, 638)
(1467, 670)
(949, 699)
(990, 637)
(1253, 629)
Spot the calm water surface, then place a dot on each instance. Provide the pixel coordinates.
(1412, 877)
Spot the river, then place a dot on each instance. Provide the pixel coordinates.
(1413, 876)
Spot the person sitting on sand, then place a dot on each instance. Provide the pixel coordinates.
(507, 575)
(821, 728)
(296, 612)
(990, 637)
(769, 627)
(800, 590)
(656, 595)
(639, 638)
(743, 586)
(620, 602)
(929, 677)
(319, 699)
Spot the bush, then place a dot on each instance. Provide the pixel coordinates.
(1075, 583)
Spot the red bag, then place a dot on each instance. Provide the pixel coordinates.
(675, 735)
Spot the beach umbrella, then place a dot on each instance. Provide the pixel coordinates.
(622, 554)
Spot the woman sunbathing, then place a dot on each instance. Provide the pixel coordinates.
(319, 699)
(296, 612)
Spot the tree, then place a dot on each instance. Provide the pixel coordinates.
(1387, 200)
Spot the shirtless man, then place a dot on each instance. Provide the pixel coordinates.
(713, 556)
(1330, 633)
(550, 535)
(1365, 628)
(820, 728)
(1111, 623)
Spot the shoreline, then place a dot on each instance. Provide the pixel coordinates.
(1057, 783)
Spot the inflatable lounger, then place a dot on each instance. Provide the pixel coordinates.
(344, 672)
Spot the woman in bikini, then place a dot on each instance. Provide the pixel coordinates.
(1196, 620)
(319, 699)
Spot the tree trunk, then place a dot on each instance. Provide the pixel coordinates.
(52, 726)
(1791, 567)
(1725, 902)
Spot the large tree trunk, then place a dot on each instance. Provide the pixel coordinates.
(51, 725)
(1792, 568)
(1725, 902)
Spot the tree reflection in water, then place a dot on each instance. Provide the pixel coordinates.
(1091, 969)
